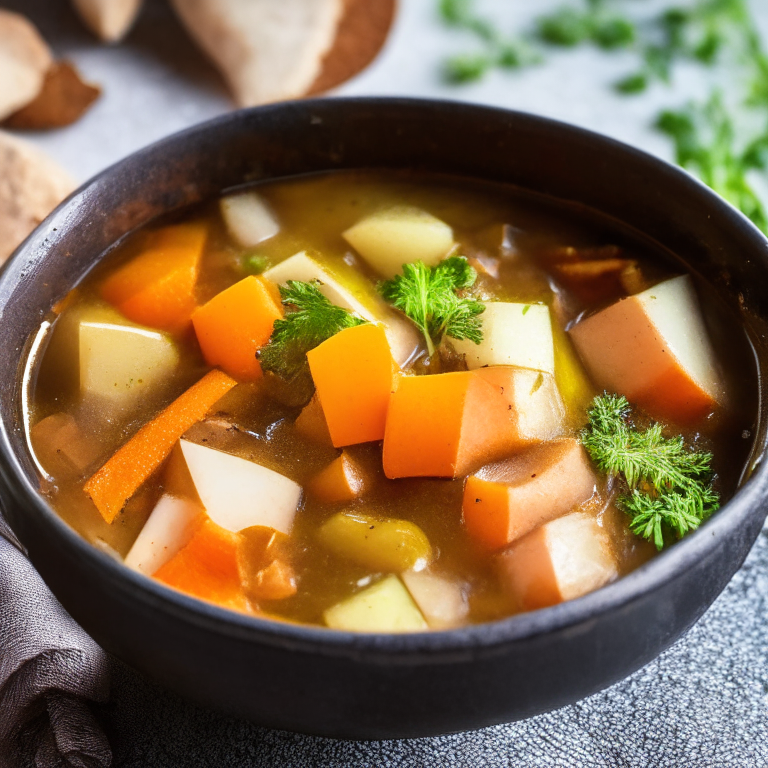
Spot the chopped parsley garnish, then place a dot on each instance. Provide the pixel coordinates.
(668, 486)
(435, 299)
(313, 320)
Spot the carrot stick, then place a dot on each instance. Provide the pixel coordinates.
(135, 461)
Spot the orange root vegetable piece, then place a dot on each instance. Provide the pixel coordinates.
(207, 568)
(562, 560)
(506, 501)
(263, 560)
(341, 480)
(236, 323)
(446, 425)
(157, 288)
(137, 459)
(354, 375)
(311, 423)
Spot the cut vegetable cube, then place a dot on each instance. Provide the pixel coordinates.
(60, 445)
(342, 480)
(170, 526)
(264, 563)
(249, 219)
(383, 607)
(400, 235)
(654, 349)
(157, 288)
(513, 334)
(354, 375)
(383, 545)
(311, 423)
(238, 493)
(137, 459)
(236, 323)
(441, 601)
(124, 363)
(562, 560)
(207, 568)
(344, 286)
(446, 425)
(503, 502)
(573, 383)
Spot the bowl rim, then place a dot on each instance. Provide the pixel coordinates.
(435, 644)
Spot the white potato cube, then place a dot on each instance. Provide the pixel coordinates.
(249, 219)
(238, 493)
(562, 560)
(168, 529)
(513, 334)
(400, 235)
(441, 601)
(123, 362)
(386, 606)
(653, 348)
(346, 288)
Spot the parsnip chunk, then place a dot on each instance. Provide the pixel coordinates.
(248, 217)
(400, 235)
(441, 601)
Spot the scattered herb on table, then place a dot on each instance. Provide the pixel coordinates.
(668, 490)
(313, 320)
(435, 299)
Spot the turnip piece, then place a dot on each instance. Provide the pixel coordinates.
(441, 601)
(169, 527)
(249, 219)
(238, 493)
(395, 236)
(386, 606)
(562, 560)
(513, 334)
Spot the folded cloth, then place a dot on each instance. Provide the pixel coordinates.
(49, 670)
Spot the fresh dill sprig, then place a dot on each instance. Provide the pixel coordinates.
(433, 298)
(668, 486)
(314, 319)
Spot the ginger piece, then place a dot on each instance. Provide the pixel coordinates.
(31, 185)
(24, 60)
(108, 19)
(266, 50)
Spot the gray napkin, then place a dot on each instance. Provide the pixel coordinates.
(49, 669)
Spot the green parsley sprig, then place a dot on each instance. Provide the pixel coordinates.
(313, 320)
(435, 299)
(668, 486)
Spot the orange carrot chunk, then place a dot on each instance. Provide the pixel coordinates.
(207, 567)
(236, 323)
(137, 459)
(505, 501)
(446, 425)
(354, 374)
(157, 288)
(341, 480)
(311, 423)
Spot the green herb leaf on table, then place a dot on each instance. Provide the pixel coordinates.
(435, 299)
(314, 319)
(668, 489)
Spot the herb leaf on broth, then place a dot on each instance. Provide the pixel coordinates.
(314, 320)
(669, 484)
(432, 297)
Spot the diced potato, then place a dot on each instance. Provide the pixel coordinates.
(169, 527)
(441, 601)
(400, 235)
(573, 383)
(345, 287)
(654, 349)
(505, 501)
(513, 334)
(60, 445)
(383, 545)
(237, 493)
(123, 362)
(249, 219)
(562, 560)
(383, 607)
(342, 480)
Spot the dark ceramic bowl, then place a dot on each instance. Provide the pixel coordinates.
(375, 686)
